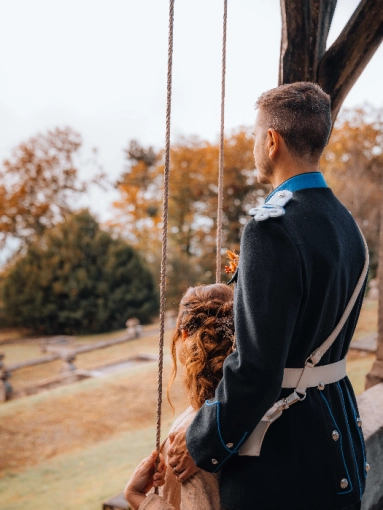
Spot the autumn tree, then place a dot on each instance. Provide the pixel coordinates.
(78, 279)
(192, 204)
(353, 166)
(38, 184)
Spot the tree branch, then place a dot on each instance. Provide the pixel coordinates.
(345, 60)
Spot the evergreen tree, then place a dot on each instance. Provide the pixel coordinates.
(78, 279)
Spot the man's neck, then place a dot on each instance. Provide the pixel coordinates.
(281, 175)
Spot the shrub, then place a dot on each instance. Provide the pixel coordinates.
(78, 279)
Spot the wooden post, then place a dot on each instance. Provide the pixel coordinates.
(3, 391)
(305, 27)
(133, 328)
(68, 360)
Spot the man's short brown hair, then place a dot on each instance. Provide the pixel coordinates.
(301, 113)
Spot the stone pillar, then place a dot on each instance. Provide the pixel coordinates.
(376, 374)
(133, 328)
(3, 394)
(373, 290)
(370, 405)
(5, 387)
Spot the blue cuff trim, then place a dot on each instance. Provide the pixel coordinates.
(231, 451)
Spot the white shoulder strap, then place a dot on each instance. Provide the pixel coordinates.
(321, 350)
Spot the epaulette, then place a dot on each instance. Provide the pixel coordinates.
(273, 208)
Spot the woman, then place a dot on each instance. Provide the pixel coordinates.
(203, 339)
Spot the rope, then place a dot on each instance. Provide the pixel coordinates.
(165, 209)
(221, 150)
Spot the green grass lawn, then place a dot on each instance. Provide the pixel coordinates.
(93, 463)
(85, 477)
(79, 480)
(84, 339)
(92, 471)
(14, 353)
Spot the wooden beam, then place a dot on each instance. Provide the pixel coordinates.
(345, 60)
(305, 27)
(293, 64)
(322, 12)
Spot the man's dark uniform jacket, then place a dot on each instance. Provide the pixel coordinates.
(295, 277)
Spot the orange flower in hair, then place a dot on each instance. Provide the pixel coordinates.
(234, 261)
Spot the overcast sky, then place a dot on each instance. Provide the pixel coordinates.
(99, 66)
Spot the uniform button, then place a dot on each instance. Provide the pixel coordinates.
(214, 461)
(344, 483)
(335, 435)
(282, 194)
(359, 422)
(367, 466)
(321, 386)
(230, 445)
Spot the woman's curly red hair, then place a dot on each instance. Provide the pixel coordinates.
(206, 314)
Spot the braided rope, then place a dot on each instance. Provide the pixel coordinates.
(165, 209)
(221, 152)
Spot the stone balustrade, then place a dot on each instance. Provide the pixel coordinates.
(370, 405)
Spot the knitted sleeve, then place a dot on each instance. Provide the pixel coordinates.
(154, 502)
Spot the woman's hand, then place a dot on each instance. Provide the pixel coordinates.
(145, 477)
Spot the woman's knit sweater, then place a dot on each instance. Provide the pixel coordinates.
(200, 491)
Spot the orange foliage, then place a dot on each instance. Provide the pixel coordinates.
(37, 183)
(353, 164)
(192, 203)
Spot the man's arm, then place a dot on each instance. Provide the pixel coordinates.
(267, 300)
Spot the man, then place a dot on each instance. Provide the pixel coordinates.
(301, 258)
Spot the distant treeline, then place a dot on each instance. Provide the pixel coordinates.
(40, 181)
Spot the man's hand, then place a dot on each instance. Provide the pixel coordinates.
(178, 456)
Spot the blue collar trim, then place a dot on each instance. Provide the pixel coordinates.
(301, 181)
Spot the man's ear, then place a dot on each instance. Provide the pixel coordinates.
(272, 142)
(184, 334)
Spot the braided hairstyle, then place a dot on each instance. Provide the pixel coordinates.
(206, 314)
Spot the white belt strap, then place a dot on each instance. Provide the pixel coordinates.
(325, 374)
(309, 376)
